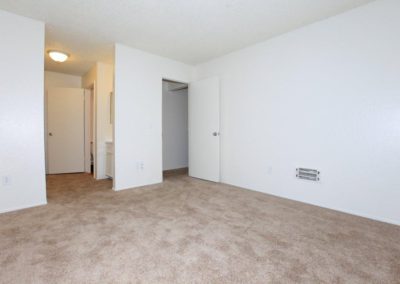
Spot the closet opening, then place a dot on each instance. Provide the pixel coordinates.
(175, 133)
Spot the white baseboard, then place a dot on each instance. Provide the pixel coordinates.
(375, 218)
(22, 207)
(380, 219)
(138, 186)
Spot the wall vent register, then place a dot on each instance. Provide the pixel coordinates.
(307, 174)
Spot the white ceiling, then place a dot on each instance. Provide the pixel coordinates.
(191, 31)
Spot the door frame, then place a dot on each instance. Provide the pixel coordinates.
(220, 123)
(168, 79)
(92, 88)
(89, 125)
(46, 130)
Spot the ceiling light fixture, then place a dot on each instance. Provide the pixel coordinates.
(58, 56)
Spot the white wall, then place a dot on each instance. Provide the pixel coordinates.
(174, 128)
(21, 112)
(101, 77)
(57, 80)
(326, 96)
(61, 80)
(137, 125)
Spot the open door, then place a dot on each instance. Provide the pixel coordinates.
(204, 139)
(65, 126)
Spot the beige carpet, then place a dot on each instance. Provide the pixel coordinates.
(189, 231)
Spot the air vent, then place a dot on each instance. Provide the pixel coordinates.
(307, 174)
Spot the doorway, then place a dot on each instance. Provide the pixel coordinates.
(65, 126)
(175, 128)
(204, 129)
(191, 128)
(69, 130)
(90, 165)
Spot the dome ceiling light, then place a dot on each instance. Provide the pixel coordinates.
(58, 56)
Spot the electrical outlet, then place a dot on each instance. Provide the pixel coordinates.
(140, 166)
(6, 180)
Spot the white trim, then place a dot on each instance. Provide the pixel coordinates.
(350, 212)
(139, 186)
(380, 219)
(22, 208)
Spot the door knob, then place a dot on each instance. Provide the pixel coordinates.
(50, 134)
(215, 134)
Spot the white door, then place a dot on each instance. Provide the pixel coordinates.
(65, 127)
(204, 140)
